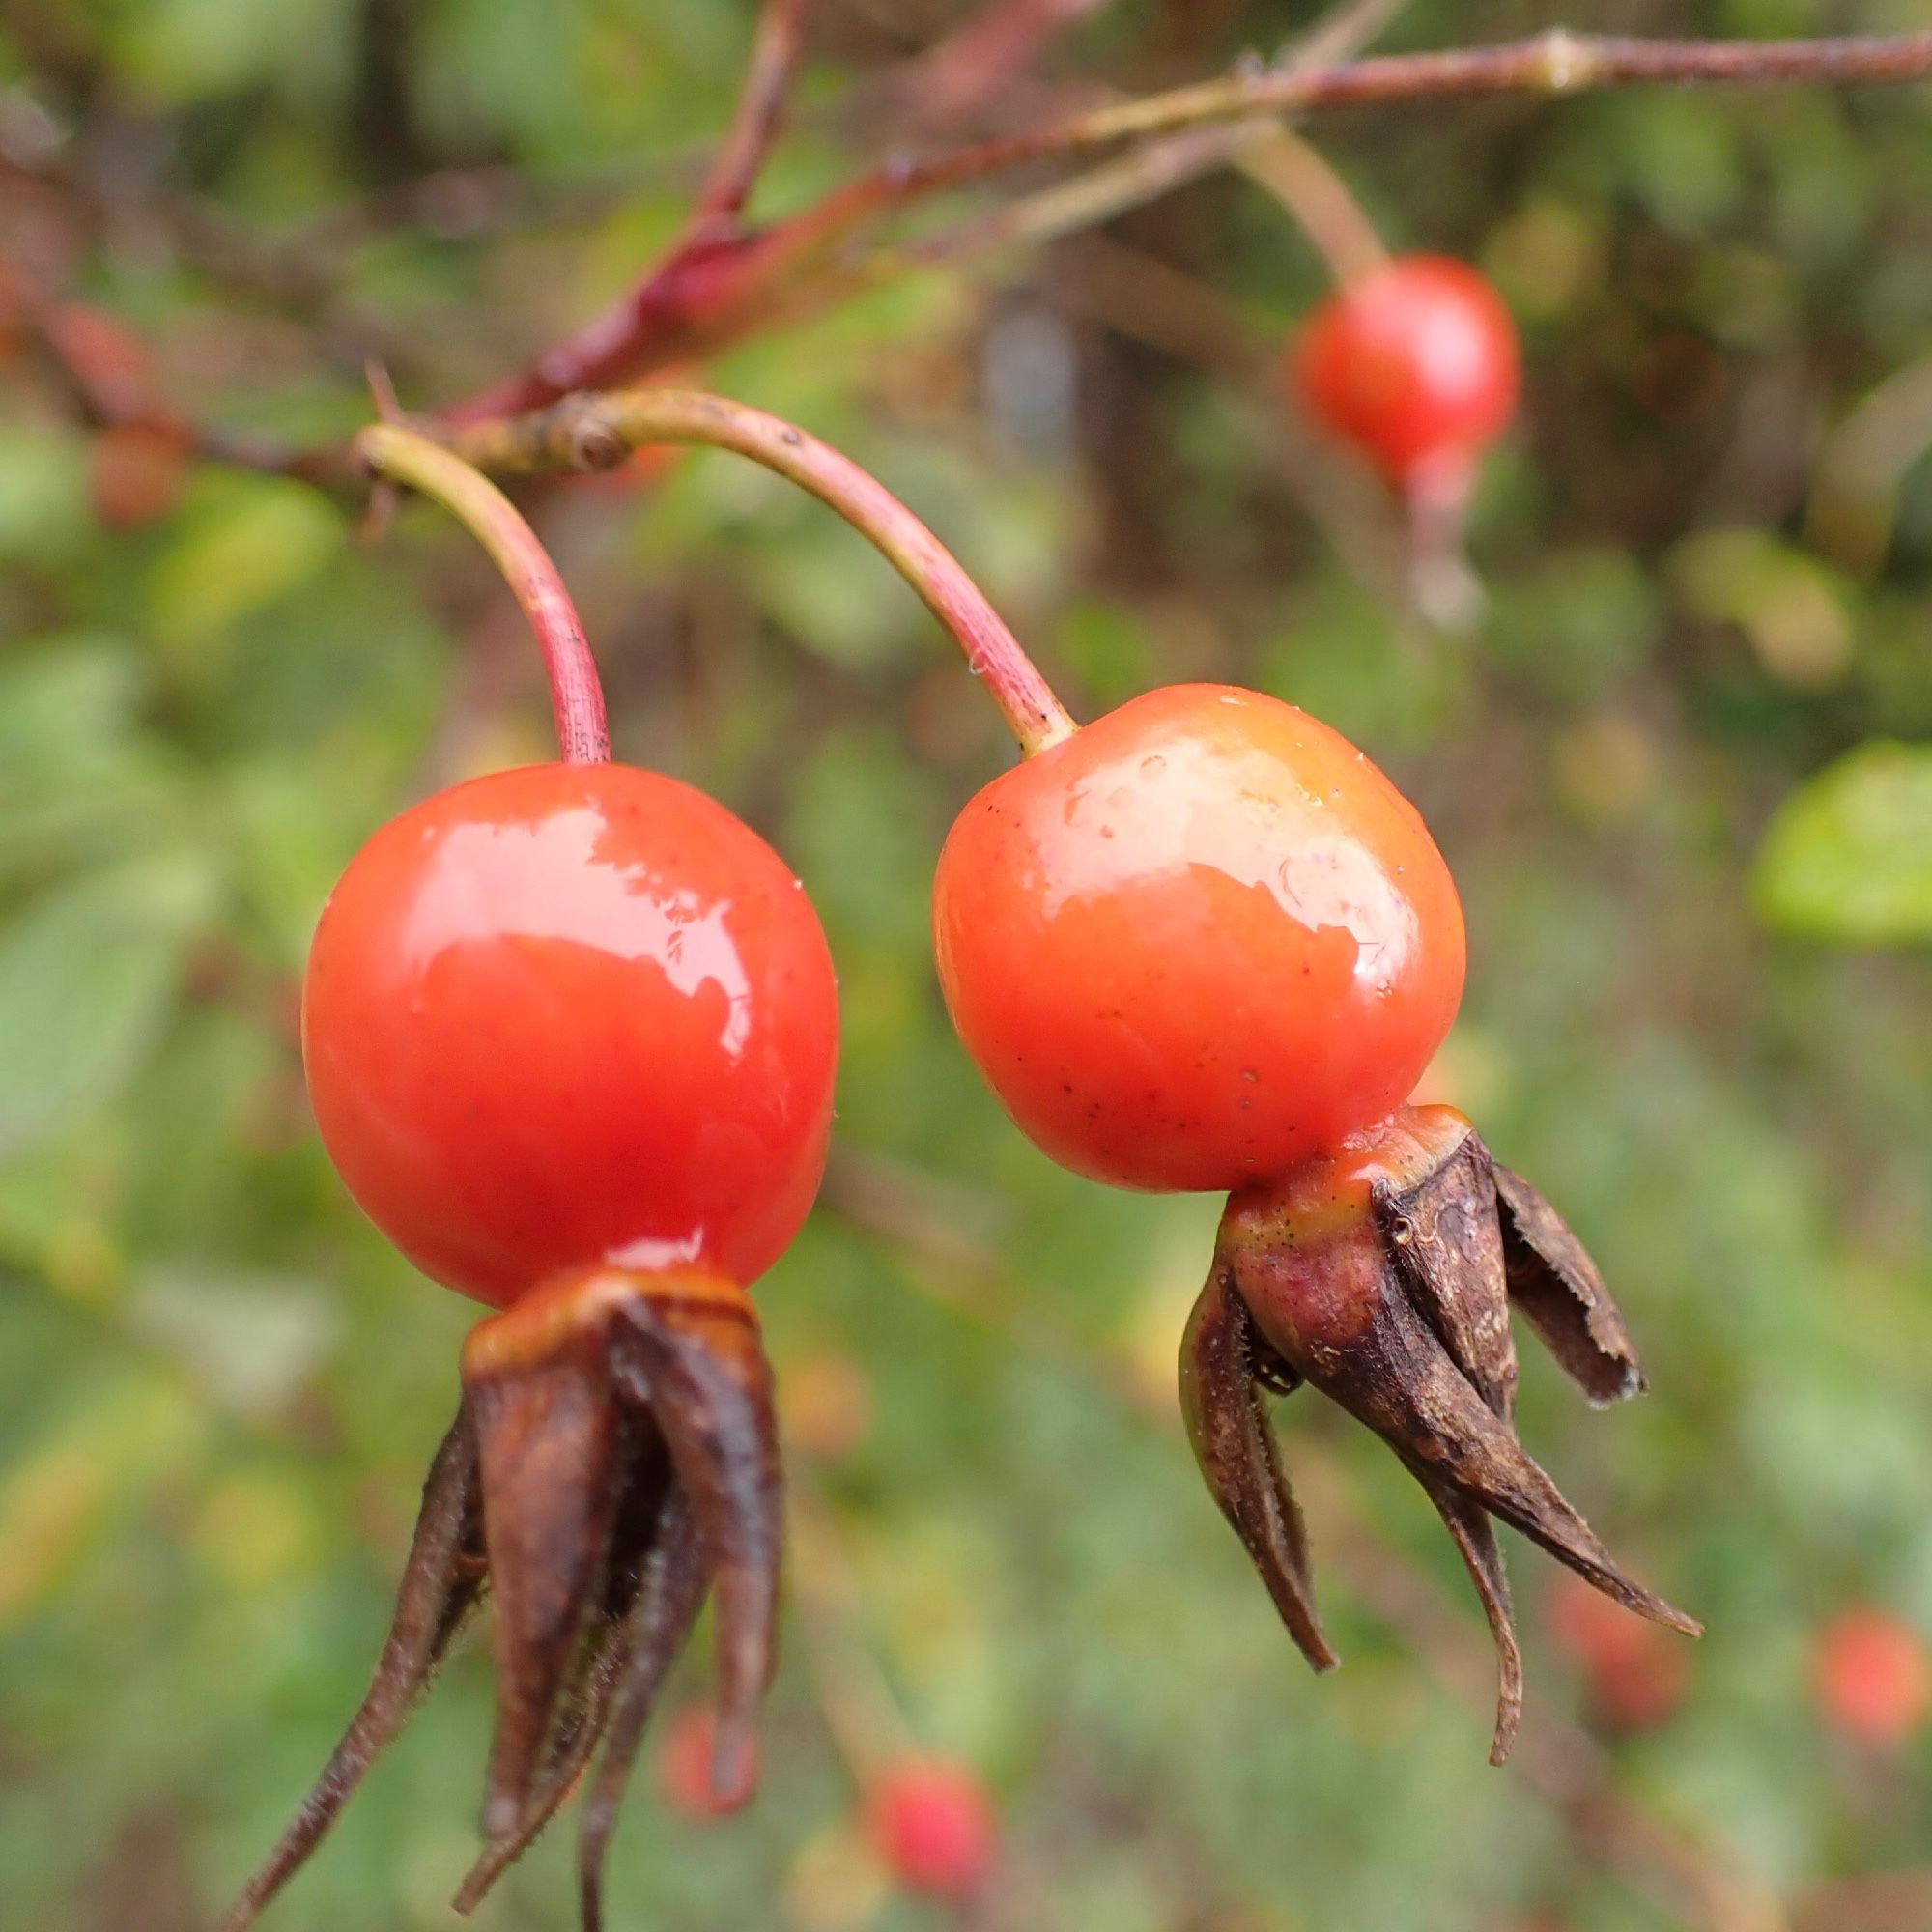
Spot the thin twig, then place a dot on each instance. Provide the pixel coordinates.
(116, 391)
(694, 302)
(1344, 31)
(702, 271)
(1143, 174)
(1303, 181)
(596, 432)
(392, 451)
(977, 61)
(760, 110)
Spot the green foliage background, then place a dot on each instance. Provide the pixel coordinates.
(1683, 770)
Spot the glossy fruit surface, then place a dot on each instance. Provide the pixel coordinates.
(570, 1014)
(1197, 943)
(933, 1827)
(1413, 364)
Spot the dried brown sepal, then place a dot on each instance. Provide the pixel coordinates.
(665, 1592)
(1221, 1383)
(1475, 1537)
(549, 1435)
(694, 1357)
(1383, 1276)
(1562, 1296)
(1444, 1237)
(442, 1583)
(610, 1636)
(586, 1709)
(668, 1604)
(616, 1457)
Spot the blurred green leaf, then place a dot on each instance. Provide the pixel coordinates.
(43, 493)
(186, 49)
(244, 543)
(247, 1341)
(85, 975)
(1848, 856)
(1791, 608)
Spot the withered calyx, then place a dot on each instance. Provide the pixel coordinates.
(613, 1459)
(1384, 1277)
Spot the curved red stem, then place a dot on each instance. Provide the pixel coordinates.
(575, 693)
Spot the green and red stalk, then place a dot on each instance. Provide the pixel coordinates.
(597, 432)
(576, 693)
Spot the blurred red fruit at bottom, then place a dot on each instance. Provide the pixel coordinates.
(1636, 1676)
(932, 1824)
(136, 472)
(684, 1765)
(1872, 1677)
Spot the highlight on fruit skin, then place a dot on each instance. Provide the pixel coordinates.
(1205, 944)
(571, 1033)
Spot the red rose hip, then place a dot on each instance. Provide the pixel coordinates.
(1203, 942)
(1413, 364)
(1197, 943)
(568, 1015)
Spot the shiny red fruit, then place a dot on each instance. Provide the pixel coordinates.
(1414, 362)
(570, 1015)
(1198, 942)
(1873, 1677)
(933, 1827)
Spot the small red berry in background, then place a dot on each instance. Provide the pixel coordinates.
(684, 1757)
(933, 1827)
(1635, 1675)
(1872, 1677)
(1415, 364)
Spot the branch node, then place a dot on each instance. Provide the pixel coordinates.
(593, 442)
(1566, 63)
